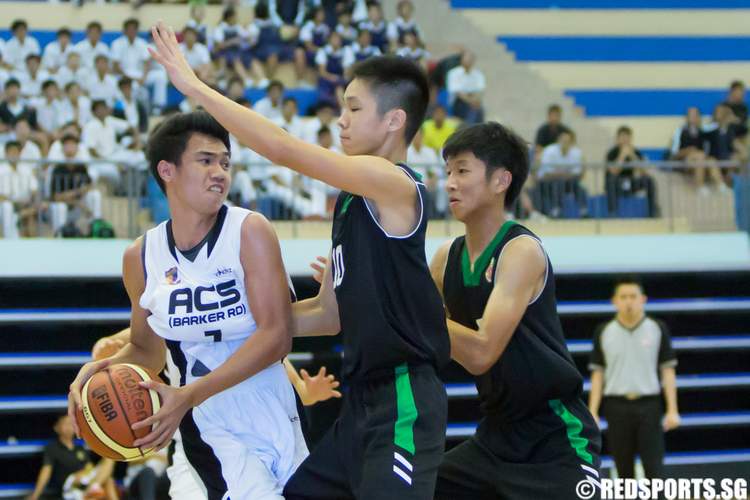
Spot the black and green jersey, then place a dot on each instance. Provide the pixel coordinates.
(535, 367)
(390, 310)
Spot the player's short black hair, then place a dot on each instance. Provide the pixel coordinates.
(627, 279)
(19, 23)
(497, 147)
(397, 83)
(170, 138)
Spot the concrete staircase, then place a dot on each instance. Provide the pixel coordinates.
(516, 96)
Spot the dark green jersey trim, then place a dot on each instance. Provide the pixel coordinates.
(573, 426)
(403, 435)
(474, 277)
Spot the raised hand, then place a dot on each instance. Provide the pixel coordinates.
(167, 52)
(321, 387)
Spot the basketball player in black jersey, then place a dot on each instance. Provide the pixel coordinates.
(389, 439)
(536, 438)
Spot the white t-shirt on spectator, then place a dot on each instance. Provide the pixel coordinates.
(321, 56)
(89, 52)
(351, 51)
(460, 80)
(15, 52)
(18, 185)
(55, 57)
(266, 108)
(132, 57)
(49, 115)
(31, 86)
(423, 160)
(102, 136)
(219, 31)
(84, 111)
(4, 76)
(56, 152)
(197, 56)
(554, 159)
(104, 89)
(32, 154)
(65, 75)
(347, 33)
(313, 126)
(399, 22)
(416, 54)
(131, 110)
(306, 32)
(295, 127)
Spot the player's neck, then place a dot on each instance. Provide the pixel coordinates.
(190, 227)
(629, 321)
(67, 442)
(481, 229)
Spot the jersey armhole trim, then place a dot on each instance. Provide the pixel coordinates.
(421, 210)
(546, 264)
(143, 260)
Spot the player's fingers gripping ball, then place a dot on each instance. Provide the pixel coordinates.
(112, 400)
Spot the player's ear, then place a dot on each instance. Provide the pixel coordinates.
(396, 119)
(501, 180)
(166, 170)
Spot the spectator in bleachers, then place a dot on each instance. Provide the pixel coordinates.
(130, 58)
(288, 13)
(92, 45)
(31, 153)
(231, 47)
(330, 61)
(56, 53)
(197, 54)
(466, 85)
(631, 363)
(377, 26)
(313, 36)
(412, 50)
(4, 73)
(623, 179)
(270, 105)
(3, 63)
(359, 50)
(128, 108)
(403, 24)
(437, 129)
(324, 116)
(549, 131)
(49, 112)
(690, 145)
(235, 89)
(56, 151)
(20, 46)
(345, 28)
(724, 143)
(18, 187)
(63, 458)
(269, 48)
(560, 175)
(100, 84)
(71, 70)
(290, 120)
(425, 161)
(72, 189)
(32, 77)
(75, 106)
(13, 107)
(101, 135)
(736, 102)
(196, 22)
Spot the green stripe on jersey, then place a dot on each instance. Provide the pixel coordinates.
(573, 426)
(407, 411)
(472, 277)
(346, 203)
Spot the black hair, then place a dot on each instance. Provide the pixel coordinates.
(624, 129)
(227, 13)
(189, 29)
(262, 11)
(12, 81)
(19, 23)
(497, 147)
(96, 103)
(125, 80)
(70, 85)
(64, 31)
(33, 56)
(628, 279)
(397, 83)
(170, 138)
(737, 84)
(289, 99)
(48, 83)
(12, 144)
(94, 24)
(243, 101)
(323, 130)
(69, 137)
(101, 56)
(275, 83)
(130, 21)
(554, 108)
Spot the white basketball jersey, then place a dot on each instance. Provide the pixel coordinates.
(200, 305)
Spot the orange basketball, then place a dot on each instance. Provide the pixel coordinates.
(112, 400)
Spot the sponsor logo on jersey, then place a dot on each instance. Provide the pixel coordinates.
(171, 276)
(488, 273)
(211, 303)
(222, 271)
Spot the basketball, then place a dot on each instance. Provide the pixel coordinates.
(111, 402)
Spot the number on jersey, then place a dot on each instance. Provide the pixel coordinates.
(337, 260)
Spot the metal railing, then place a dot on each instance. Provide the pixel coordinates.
(659, 197)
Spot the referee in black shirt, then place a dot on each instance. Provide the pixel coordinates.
(630, 353)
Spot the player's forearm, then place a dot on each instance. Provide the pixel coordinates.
(468, 347)
(595, 394)
(265, 347)
(44, 476)
(151, 357)
(669, 383)
(311, 319)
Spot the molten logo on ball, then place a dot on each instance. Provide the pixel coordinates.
(134, 394)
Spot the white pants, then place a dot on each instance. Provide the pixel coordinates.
(184, 482)
(305, 207)
(9, 220)
(59, 211)
(158, 80)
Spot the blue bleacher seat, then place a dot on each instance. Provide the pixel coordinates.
(156, 202)
(630, 207)
(597, 206)
(742, 202)
(569, 207)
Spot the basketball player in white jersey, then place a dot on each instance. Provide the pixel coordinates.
(184, 481)
(226, 334)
